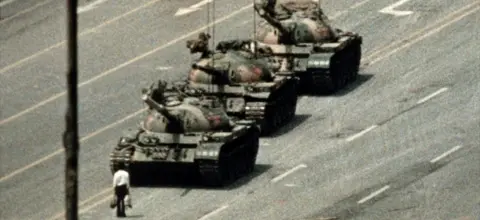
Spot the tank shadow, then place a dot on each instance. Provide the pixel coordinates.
(361, 79)
(348, 208)
(134, 216)
(191, 180)
(296, 121)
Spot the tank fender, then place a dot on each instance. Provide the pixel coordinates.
(208, 151)
(255, 106)
(259, 95)
(319, 61)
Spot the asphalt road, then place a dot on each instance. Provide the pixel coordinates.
(335, 166)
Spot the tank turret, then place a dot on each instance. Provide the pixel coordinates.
(174, 124)
(180, 114)
(231, 64)
(219, 75)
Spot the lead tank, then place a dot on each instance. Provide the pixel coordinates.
(250, 87)
(187, 132)
(299, 35)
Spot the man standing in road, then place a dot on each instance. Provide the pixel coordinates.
(121, 188)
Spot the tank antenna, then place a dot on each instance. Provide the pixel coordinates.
(213, 31)
(208, 42)
(254, 31)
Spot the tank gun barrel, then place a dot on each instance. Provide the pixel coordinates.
(239, 44)
(211, 71)
(159, 108)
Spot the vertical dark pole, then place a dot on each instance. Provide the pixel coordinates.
(70, 137)
(254, 31)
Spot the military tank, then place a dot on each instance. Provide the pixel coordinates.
(299, 35)
(181, 133)
(250, 87)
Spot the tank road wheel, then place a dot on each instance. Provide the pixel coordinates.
(215, 173)
(323, 84)
(292, 105)
(284, 115)
(269, 120)
(245, 158)
(226, 169)
(355, 60)
(289, 105)
(118, 156)
(251, 156)
(340, 72)
(279, 117)
(241, 161)
(221, 172)
(236, 160)
(281, 109)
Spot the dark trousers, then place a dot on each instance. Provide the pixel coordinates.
(120, 193)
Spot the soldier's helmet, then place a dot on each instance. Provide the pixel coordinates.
(271, 3)
(266, 3)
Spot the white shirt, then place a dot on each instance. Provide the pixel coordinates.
(121, 177)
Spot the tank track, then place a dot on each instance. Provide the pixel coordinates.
(344, 70)
(233, 162)
(119, 155)
(281, 110)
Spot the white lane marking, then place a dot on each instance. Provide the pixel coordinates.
(59, 151)
(6, 2)
(192, 8)
(371, 167)
(340, 13)
(392, 48)
(376, 193)
(133, 60)
(280, 177)
(264, 143)
(85, 209)
(161, 68)
(358, 4)
(90, 6)
(446, 154)
(88, 31)
(290, 185)
(361, 133)
(214, 212)
(246, 22)
(390, 9)
(81, 204)
(25, 11)
(428, 97)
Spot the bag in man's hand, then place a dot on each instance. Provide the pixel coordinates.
(113, 203)
(128, 201)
